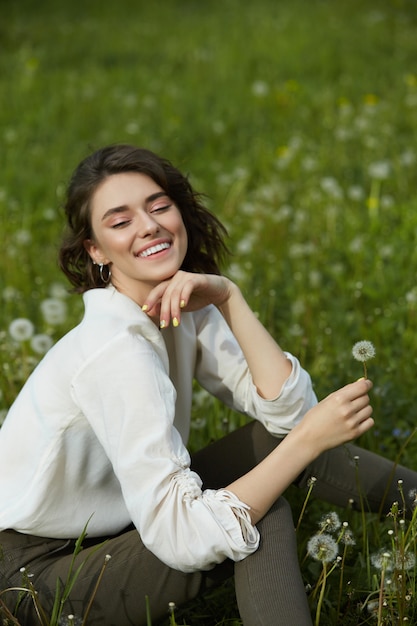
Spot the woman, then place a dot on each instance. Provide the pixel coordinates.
(99, 431)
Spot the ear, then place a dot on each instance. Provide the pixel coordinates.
(95, 253)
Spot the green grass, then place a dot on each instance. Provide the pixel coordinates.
(279, 111)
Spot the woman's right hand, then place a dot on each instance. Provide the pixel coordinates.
(342, 416)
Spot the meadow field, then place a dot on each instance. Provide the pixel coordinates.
(298, 119)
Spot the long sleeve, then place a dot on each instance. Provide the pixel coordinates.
(187, 528)
(223, 371)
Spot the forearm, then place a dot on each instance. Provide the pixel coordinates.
(268, 364)
(339, 418)
(261, 487)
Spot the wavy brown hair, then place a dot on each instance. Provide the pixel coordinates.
(206, 234)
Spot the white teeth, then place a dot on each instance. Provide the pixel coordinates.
(154, 249)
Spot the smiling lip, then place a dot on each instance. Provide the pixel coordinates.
(154, 249)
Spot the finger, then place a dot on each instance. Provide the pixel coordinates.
(355, 390)
(154, 297)
(364, 426)
(171, 303)
(358, 404)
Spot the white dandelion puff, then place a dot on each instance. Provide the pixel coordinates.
(412, 494)
(54, 311)
(330, 522)
(383, 560)
(405, 560)
(348, 538)
(41, 343)
(21, 329)
(380, 170)
(363, 351)
(322, 547)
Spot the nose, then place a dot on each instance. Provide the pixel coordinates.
(146, 224)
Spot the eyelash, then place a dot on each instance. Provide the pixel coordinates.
(156, 210)
(161, 208)
(120, 224)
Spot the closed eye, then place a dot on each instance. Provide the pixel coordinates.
(121, 224)
(160, 209)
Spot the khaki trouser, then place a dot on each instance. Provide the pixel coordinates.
(269, 586)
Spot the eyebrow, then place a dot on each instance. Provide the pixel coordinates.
(123, 207)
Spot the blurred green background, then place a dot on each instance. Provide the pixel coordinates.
(297, 118)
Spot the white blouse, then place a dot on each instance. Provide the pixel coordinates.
(99, 433)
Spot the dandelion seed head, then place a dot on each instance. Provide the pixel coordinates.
(363, 351)
(330, 522)
(412, 494)
(322, 547)
(383, 560)
(379, 170)
(405, 560)
(41, 343)
(21, 329)
(54, 311)
(348, 538)
(372, 606)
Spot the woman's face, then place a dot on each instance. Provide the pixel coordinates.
(138, 231)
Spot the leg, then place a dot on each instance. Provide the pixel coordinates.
(132, 573)
(269, 586)
(348, 472)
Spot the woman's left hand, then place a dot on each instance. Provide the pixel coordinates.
(186, 291)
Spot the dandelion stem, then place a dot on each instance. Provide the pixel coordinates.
(148, 612)
(93, 595)
(394, 468)
(321, 596)
(306, 499)
(381, 597)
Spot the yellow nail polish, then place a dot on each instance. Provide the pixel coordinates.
(182, 304)
(145, 308)
(162, 324)
(175, 322)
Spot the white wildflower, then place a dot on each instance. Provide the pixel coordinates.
(383, 560)
(54, 311)
(356, 193)
(363, 350)
(405, 560)
(380, 170)
(21, 329)
(41, 343)
(322, 547)
(330, 522)
(260, 88)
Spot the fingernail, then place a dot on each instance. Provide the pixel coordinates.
(162, 324)
(145, 307)
(182, 304)
(175, 322)
(361, 378)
